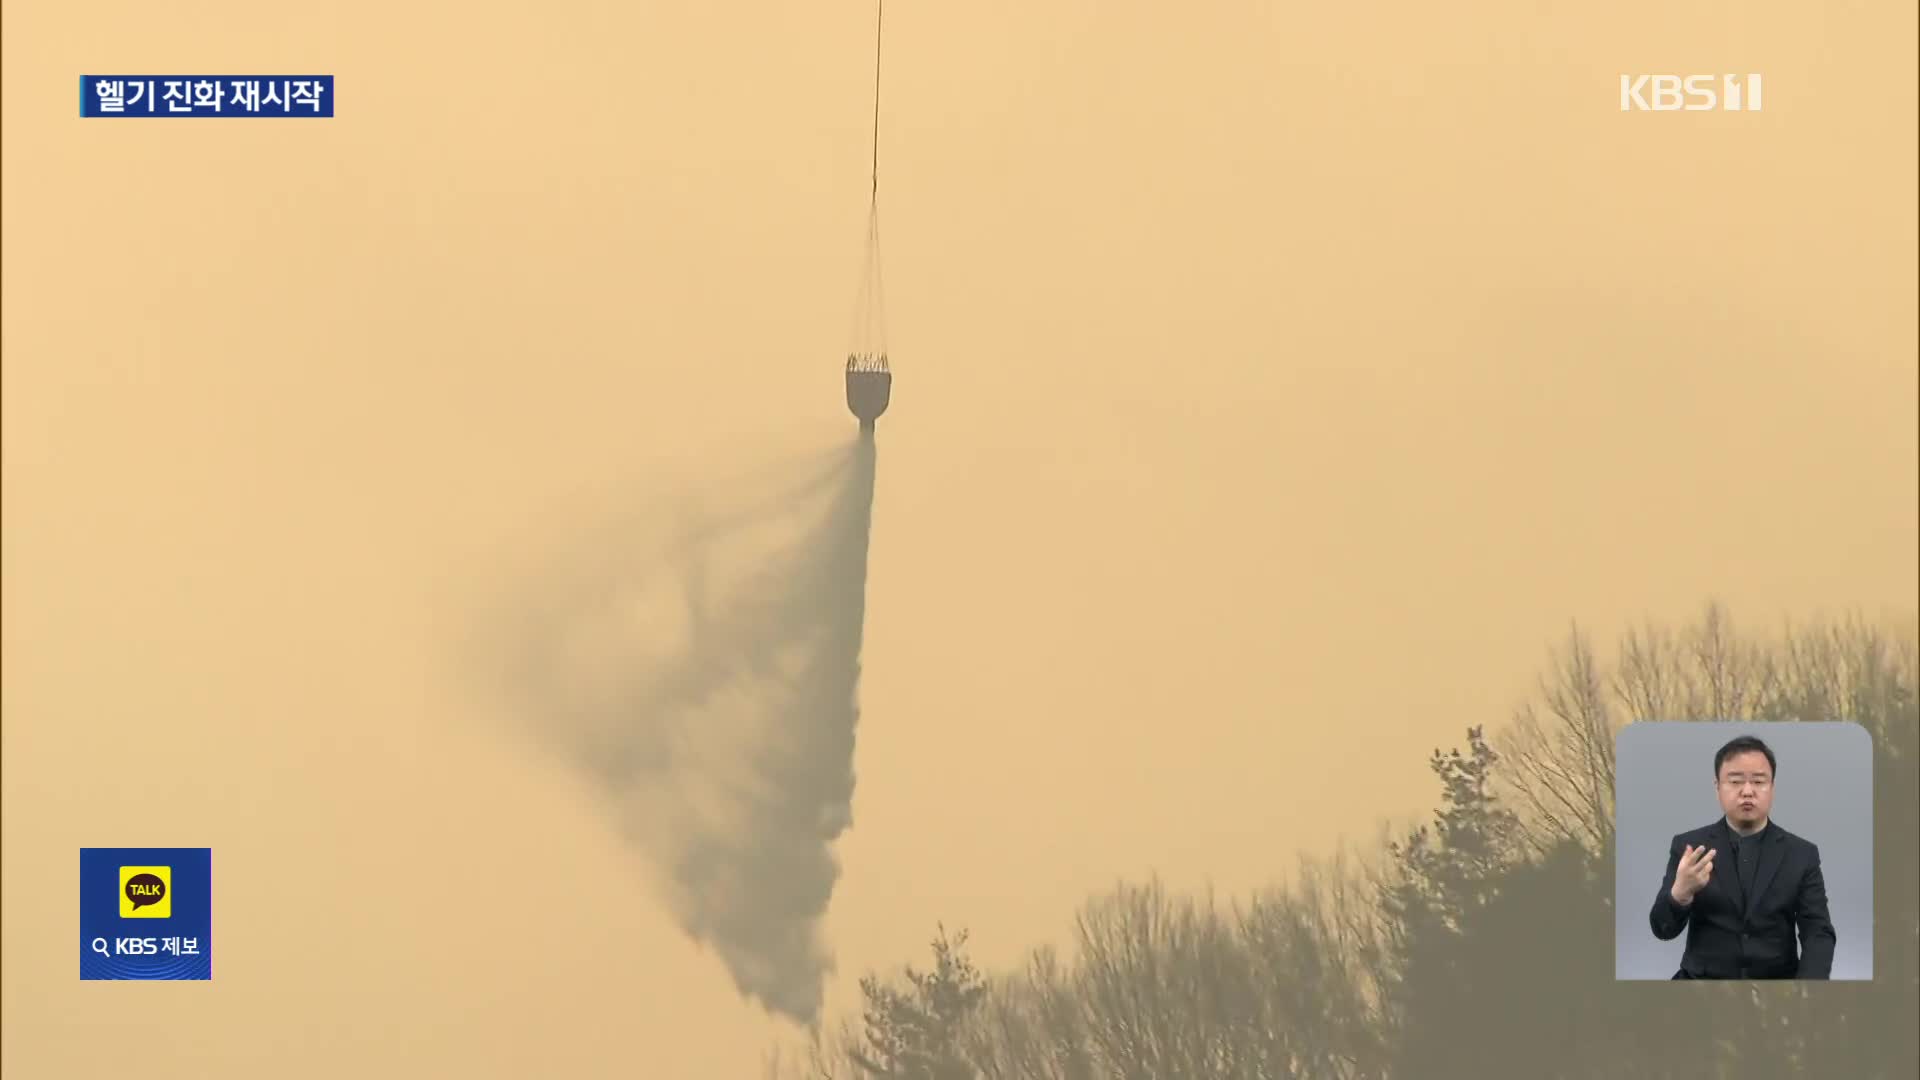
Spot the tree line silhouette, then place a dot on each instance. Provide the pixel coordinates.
(1479, 944)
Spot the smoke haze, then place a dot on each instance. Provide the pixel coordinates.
(708, 683)
(1276, 386)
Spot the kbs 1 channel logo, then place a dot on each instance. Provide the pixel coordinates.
(146, 913)
(1691, 93)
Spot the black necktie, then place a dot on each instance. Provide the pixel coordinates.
(1747, 855)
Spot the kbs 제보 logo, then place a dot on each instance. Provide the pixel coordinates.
(146, 913)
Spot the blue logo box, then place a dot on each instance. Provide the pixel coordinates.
(146, 913)
(106, 96)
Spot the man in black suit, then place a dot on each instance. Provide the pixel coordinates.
(1741, 886)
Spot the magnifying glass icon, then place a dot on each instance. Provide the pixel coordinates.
(100, 946)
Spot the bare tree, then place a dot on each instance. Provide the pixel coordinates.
(1033, 1026)
(1559, 752)
(1559, 765)
(1007, 1039)
(1122, 940)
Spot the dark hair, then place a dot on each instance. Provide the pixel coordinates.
(1742, 745)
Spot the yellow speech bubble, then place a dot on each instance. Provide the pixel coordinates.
(146, 892)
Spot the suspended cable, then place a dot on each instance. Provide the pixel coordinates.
(878, 25)
(870, 344)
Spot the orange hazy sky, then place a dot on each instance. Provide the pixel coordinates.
(1273, 386)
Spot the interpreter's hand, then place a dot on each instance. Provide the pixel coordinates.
(1696, 867)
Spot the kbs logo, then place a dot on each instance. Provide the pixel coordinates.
(1689, 93)
(170, 892)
